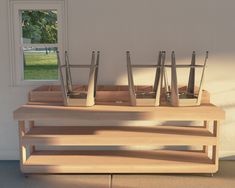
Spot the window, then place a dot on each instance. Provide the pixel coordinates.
(37, 33)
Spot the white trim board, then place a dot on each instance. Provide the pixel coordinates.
(9, 154)
(227, 155)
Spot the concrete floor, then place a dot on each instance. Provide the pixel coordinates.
(10, 177)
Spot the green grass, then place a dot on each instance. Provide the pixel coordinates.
(40, 66)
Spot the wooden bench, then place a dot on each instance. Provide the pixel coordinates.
(118, 160)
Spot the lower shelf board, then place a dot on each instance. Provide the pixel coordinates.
(157, 161)
(119, 135)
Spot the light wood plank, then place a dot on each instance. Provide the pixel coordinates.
(22, 148)
(31, 126)
(105, 93)
(159, 161)
(215, 148)
(206, 126)
(118, 135)
(101, 112)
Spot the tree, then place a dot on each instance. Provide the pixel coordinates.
(40, 26)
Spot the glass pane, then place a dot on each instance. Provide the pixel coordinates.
(40, 64)
(39, 26)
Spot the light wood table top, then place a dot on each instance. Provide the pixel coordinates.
(125, 113)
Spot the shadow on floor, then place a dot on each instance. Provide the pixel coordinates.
(11, 177)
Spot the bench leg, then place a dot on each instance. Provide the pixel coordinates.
(206, 125)
(21, 146)
(215, 148)
(32, 147)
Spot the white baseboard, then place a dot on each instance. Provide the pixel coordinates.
(9, 154)
(227, 155)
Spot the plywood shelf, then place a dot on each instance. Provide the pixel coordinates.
(158, 161)
(118, 135)
(122, 113)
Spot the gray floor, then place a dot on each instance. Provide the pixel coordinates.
(10, 177)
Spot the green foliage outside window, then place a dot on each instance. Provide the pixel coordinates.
(39, 26)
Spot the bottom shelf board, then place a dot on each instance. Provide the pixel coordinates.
(157, 161)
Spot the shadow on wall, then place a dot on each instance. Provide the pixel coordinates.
(226, 90)
(228, 106)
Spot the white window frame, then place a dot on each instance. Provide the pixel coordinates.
(16, 47)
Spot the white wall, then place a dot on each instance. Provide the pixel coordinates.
(143, 27)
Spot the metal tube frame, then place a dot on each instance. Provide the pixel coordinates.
(159, 76)
(175, 101)
(67, 88)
